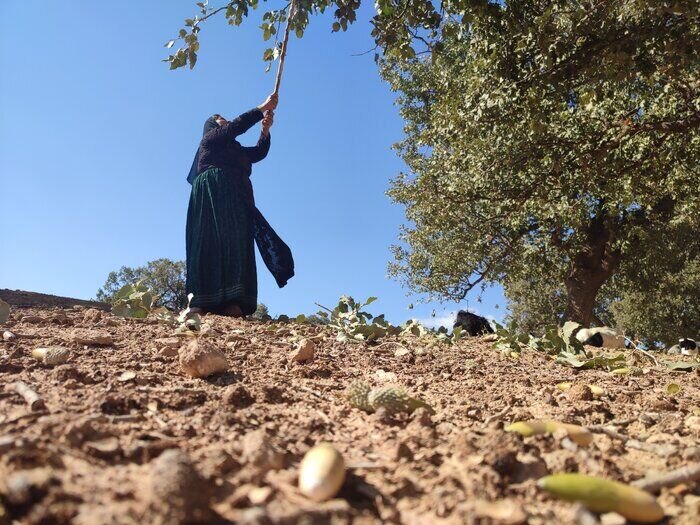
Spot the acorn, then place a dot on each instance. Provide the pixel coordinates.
(52, 355)
(357, 396)
(393, 399)
(579, 435)
(602, 495)
(321, 473)
(396, 400)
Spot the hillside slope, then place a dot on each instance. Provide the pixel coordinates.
(90, 456)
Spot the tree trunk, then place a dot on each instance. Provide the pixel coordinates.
(590, 268)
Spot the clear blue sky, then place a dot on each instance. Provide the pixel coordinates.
(97, 136)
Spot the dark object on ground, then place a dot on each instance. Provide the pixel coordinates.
(594, 340)
(601, 336)
(687, 343)
(22, 299)
(685, 346)
(472, 324)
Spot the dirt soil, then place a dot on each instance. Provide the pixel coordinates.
(99, 449)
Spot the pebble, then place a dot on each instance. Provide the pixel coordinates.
(92, 338)
(32, 319)
(304, 351)
(580, 392)
(178, 493)
(202, 359)
(691, 454)
(8, 336)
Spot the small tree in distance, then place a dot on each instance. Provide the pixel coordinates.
(164, 277)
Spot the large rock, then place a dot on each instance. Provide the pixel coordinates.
(200, 358)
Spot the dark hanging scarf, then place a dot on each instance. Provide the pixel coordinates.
(274, 252)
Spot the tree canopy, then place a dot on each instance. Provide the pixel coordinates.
(166, 278)
(532, 150)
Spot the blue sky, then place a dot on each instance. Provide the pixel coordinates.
(97, 136)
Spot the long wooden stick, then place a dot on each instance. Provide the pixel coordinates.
(32, 398)
(283, 54)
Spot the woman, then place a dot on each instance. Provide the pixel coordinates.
(223, 222)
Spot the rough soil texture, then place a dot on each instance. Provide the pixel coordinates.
(97, 452)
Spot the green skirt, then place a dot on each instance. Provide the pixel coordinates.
(220, 243)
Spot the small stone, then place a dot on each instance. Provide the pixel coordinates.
(385, 377)
(580, 392)
(27, 486)
(259, 452)
(104, 448)
(32, 319)
(179, 495)
(92, 316)
(238, 396)
(92, 337)
(8, 336)
(401, 352)
(691, 454)
(202, 359)
(304, 351)
(259, 495)
(401, 451)
(168, 351)
(255, 516)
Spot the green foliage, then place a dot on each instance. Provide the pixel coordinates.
(163, 277)
(550, 137)
(353, 324)
(262, 313)
(558, 342)
(136, 301)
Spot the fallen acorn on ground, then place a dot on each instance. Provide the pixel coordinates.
(52, 355)
(321, 473)
(579, 435)
(393, 399)
(602, 495)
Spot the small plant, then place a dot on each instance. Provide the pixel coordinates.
(353, 324)
(134, 301)
(560, 343)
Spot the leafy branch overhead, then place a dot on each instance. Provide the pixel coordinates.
(236, 11)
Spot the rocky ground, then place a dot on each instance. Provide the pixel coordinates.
(101, 444)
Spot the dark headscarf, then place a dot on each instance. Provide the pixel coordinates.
(208, 126)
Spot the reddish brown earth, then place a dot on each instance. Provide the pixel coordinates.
(95, 453)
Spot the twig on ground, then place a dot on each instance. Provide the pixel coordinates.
(28, 415)
(635, 348)
(495, 416)
(312, 392)
(675, 477)
(660, 450)
(30, 396)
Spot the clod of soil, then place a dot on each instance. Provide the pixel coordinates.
(580, 392)
(178, 494)
(200, 358)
